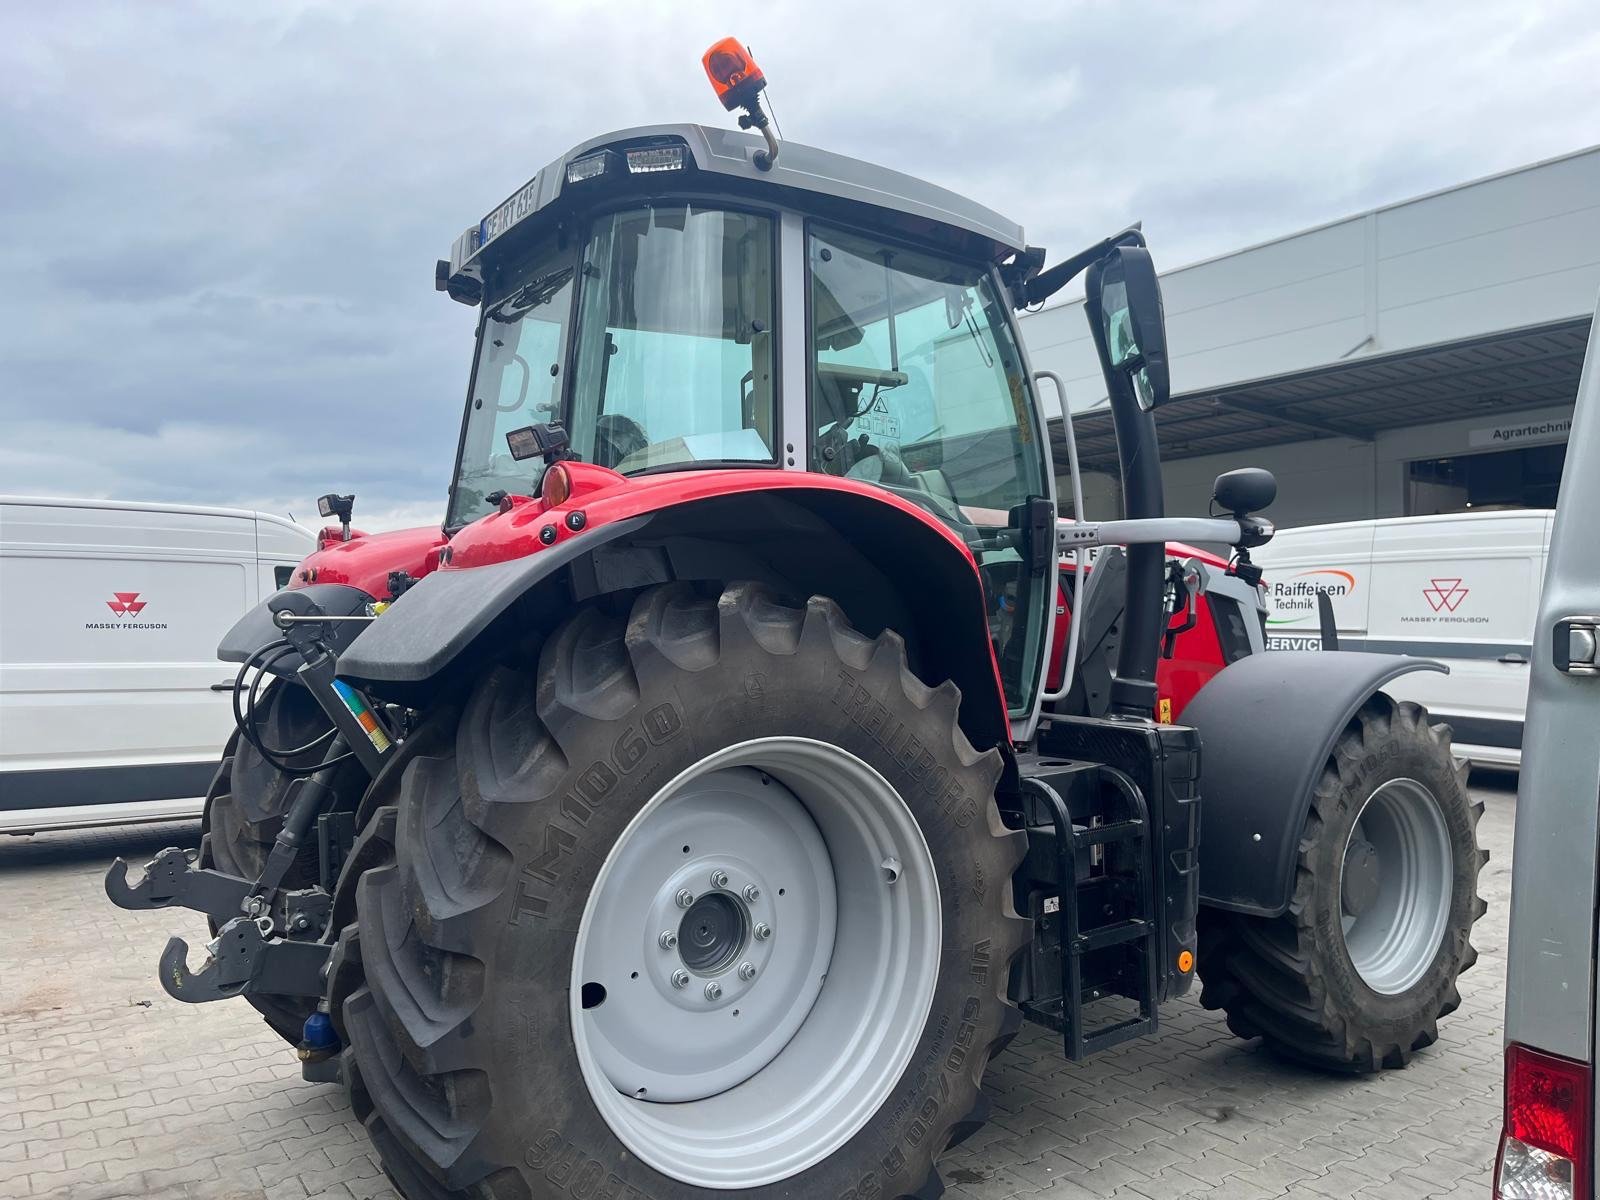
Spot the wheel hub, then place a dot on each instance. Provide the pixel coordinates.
(1395, 888)
(676, 908)
(1361, 877)
(713, 933)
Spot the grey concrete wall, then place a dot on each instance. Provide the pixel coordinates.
(1514, 250)
(1333, 479)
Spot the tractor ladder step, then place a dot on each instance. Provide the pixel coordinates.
(1127, 832)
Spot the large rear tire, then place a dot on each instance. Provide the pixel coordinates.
(246, 806)
(719, 853)
(1355, 976)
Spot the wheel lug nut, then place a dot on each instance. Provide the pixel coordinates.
(719, 879)
(713, 990)
(763, 931)
(680, 978)
(668, 939)
(752, 893)
(685, 897)
(747, 971)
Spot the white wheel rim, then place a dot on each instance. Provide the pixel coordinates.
(808, 952)
(1395, 886)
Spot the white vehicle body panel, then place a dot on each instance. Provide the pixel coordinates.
(1552, 948)
(110, 615)
(1462, 588)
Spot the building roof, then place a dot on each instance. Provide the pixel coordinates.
(1472, 301)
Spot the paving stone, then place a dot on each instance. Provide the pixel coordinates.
(109, 1090)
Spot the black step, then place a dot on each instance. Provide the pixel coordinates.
(1115, 1035)
(1110, 833)
(1114, 934)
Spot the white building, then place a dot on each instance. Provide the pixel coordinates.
(1419, 358)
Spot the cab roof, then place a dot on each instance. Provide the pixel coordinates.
(827, 180)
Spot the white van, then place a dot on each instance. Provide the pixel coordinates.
(110, 615)
(1462, 588)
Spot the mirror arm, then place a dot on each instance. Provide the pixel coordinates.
(1047, 283)
(1158, 531)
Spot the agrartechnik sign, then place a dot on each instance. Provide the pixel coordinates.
(1526, 433)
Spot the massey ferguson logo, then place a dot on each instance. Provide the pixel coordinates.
(1444, 595)
(126, 607)
(126, 604)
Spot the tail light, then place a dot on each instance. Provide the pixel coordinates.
(1545, 1143)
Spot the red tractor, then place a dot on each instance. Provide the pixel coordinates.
(697, 812)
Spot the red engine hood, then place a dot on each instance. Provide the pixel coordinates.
(366, 560)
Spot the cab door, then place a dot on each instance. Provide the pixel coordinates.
(919, 385)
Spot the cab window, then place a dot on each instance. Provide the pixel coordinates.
(675, 344)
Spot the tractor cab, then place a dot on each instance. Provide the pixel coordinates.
(673, 307)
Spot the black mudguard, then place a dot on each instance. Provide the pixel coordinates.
(1267, 726)
(256, 629)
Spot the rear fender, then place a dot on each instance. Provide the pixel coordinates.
(1268, 724)
(887, 565)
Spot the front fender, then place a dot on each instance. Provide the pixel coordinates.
(1268, 724)
(887, 564)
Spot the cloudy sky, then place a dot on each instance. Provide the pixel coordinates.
(218, 222)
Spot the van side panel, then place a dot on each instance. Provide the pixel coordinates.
(1459, 588)
(1300, 563)
(111, 616)
(1463, 589)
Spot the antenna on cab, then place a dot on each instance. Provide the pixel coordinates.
(738, 83)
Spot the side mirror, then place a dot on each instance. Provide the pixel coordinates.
(1125, 294)
(1245, 491)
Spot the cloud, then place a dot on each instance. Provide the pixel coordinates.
(219, 221)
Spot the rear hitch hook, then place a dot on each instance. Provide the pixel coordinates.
(192, 987)
(171, 862)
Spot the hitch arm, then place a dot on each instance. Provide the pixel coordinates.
(172, 880)
(244, 961)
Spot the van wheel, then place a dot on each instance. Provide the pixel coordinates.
(1356, 974)
(713, 898)
(245, 808)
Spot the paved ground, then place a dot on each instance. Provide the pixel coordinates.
(108, 1089)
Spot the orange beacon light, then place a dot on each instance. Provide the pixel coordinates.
(733, 73)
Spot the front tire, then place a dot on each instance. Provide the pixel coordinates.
(820, 1029)
(1355, 976)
